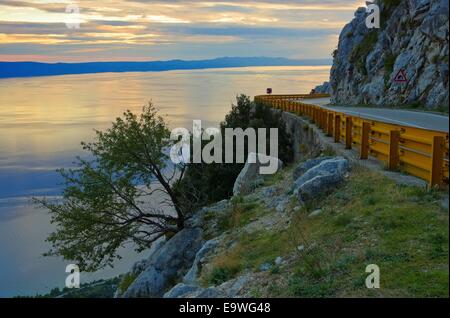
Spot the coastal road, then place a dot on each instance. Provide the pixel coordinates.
(409, 118)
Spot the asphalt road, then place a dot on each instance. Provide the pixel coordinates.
(401, 117)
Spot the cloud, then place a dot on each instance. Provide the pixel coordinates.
(141, 29)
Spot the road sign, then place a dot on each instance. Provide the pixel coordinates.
(269, 91)
(401, 77)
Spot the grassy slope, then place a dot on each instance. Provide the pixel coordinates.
(368, 220)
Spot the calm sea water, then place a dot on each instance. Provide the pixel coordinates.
(43, 120)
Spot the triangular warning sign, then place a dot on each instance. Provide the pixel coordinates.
(401, 77)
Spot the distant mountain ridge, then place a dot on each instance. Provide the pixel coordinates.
(30, 69)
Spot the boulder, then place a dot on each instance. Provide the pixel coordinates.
(167, 264)
(229, 289)
(192, 274)
(308, 164)
(282, 205)
(264, 267)
(182, 290)
(315, 213)
(320, 178)
(278, 261)
(141, 265)
(253, 170)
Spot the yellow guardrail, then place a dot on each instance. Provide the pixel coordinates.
(420, 152)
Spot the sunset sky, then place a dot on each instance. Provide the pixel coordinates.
(36, 30)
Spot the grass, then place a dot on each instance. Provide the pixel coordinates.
(241, 213)
(249, 253)
(368, 220)
(220, 275)
(126, 281)
(401, 229)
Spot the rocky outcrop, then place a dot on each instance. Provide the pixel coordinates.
(414, 37)
(247, 179)
(305, 166)
(230, 289)
(192, 275)
(320, 178)
(325, 88)
(167, 264)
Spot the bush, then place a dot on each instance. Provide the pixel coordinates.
(214, 182)
(127, 280)
(220, 275)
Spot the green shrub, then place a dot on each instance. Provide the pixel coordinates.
(126, 281)
(389, 62)
(343, 220)
(303, 287)
(220, 275)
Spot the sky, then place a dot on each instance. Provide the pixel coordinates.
(146, 30)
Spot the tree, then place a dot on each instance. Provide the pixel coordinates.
(106, 200)
(214, 182)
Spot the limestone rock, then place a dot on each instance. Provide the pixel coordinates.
(414, 37)
(315, 213)
(229, 289)
(251, 172)
(325, 88)
(320, 178)
(167, 264)
(305, 166)
(192, 274)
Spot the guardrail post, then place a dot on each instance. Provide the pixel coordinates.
(394, 143)
(348, 133)
(330, 124)
(437, 161)
(337, 128)
(365, 131)
(324, 119)
(319, 117)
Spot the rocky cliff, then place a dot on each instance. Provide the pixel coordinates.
(414, 37)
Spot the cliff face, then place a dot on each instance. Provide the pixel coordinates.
(414, 36)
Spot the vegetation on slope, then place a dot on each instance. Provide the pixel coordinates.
(369, 220)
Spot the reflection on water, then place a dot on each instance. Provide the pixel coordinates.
(43, 120)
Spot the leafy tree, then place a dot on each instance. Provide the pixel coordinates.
(106, 201)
